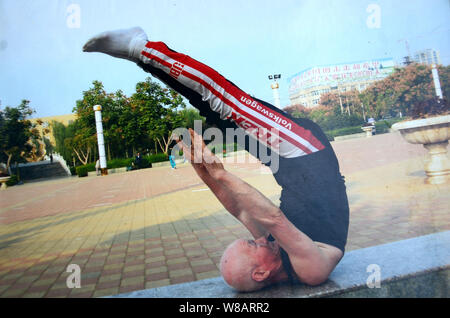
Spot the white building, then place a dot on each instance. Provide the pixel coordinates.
(307, 86)
(428, 57)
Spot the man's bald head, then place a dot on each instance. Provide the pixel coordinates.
(247, 265)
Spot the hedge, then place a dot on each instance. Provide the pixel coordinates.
(381, 127)
(82, 171)
(126, 162)
(13, 180)
(343, 131)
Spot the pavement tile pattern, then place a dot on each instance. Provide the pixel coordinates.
(156, 227)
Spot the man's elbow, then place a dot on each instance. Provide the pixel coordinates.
(315, 278)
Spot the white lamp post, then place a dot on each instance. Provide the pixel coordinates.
(275, 86)
(100, 139)
(437, 84)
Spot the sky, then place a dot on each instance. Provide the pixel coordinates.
(41, 58)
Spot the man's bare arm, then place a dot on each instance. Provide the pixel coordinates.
(312, 262)
(223, 194)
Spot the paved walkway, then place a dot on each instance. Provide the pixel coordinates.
(156, 227)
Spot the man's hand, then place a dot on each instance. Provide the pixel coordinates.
(201, 158)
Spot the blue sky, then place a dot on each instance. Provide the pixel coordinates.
(41, 58)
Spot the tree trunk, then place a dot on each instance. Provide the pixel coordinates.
(81, 156)
(8, 162)
(160, 145)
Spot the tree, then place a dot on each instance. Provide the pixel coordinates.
(298, 110)
(190, 115)
(60, 133)
(444, 77)
(15, 133)
(158, 112)
(82, 143)
(406, 89)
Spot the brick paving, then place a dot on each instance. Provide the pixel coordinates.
(155, 227)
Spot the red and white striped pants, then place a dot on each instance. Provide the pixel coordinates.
(269, 125)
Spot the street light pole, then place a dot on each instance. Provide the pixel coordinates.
(100, 139)
(437, 84)
(275, 86)
(364, 113)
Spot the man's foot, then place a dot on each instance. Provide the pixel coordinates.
(125, 44)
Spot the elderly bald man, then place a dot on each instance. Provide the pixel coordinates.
(304, 238)
(249, 265)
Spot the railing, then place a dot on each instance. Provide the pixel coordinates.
(62, 161)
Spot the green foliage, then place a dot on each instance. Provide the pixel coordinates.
(119, 163)
(16, 133)
(159, 157)
(82, 171)
(430, 107)
(189, 115)
(328, 118)
(61, 133)
(157, 112)
(383, 126)
(409, 90)
(142, 122)
(48, 145)
(126, 162)
(13, 180)
(342, 132)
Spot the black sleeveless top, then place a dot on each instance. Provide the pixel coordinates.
(287, 266)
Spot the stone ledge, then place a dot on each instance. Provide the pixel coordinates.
(417, 267)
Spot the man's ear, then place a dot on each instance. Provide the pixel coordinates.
(260, 274)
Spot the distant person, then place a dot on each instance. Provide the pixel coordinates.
(97, 167)
(51, 158)
(138, 160)
(371, 122)
(172, 161)
(302, 240)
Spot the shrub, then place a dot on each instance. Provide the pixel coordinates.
(73, 170)
(119, 163)
(343, 131)
(146, 162)
(89, 166)
(383, 126)
(430, 107)
(82, 171)
(13, 180)
(159, 157)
